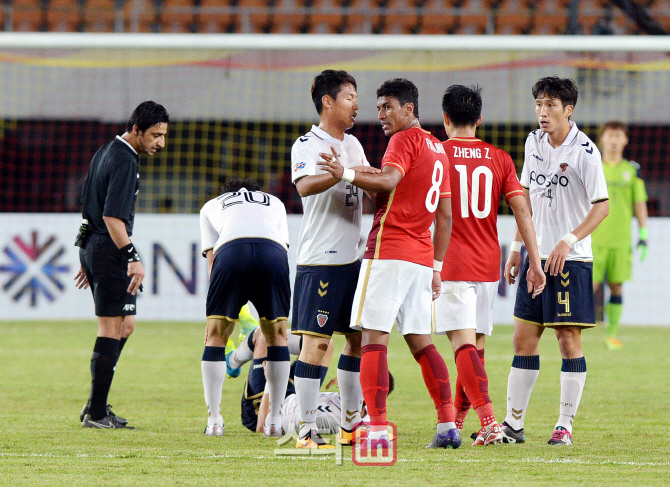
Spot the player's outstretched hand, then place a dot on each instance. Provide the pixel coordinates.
(136, 271)
(536, 279)
(437, 284)
(82, 280)
(556, 259)
(367, 169)
(512, 267)
(333, 383)
(330, 163)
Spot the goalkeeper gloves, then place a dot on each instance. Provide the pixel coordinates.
(642, 244)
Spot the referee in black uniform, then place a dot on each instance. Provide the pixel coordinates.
(109, 262)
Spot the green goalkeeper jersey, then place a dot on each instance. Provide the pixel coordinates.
(625, 189)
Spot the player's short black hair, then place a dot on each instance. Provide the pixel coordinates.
(329, 82)
(403, 90)
(147, 114)
(564, 89)
(462, 104)
(235, 184)
(391, 383)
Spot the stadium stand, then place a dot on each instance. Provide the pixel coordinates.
(339, 16)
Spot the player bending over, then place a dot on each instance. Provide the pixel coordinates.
(471, 270)
(245, 240)
(565, 186)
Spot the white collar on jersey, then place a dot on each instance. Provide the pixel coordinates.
(126, 142)
(322, 134)
(572, 134)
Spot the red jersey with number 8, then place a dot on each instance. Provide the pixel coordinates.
(401, 228)
(480, 173)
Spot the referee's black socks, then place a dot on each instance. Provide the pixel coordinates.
(104, 358)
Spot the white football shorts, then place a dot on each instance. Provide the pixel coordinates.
(465, 305)
(393, 291)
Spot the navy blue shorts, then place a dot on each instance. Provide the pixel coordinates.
(249, 269)
(107, 273)
(567, 300)
(322, 299)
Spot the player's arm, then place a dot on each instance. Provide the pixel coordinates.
(117, 230)
(525, 229)
(596, 214)
(441, 237)
(210, 261)
(263, 410)
(513, 263)
(383, 181)
(309, 185)
(640, 210)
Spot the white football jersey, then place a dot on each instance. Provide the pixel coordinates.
(243, 214)
(331, 224)
(563, 183)
(327, 414)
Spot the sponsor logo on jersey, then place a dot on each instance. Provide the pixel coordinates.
(626, 176)
(537, 157)
(548, 181)
(321, 319)
(299, 165)
(34, 268)
(439, 148)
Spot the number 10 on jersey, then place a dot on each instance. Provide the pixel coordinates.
(473, 204)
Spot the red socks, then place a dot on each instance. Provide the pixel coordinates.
(461, 402)
(436, 377)
(475, 382)
(375, 381)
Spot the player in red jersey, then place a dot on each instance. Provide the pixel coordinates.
(400, 272)
(479, 173)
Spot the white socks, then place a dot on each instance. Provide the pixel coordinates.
(241, 355)
(277, 369)
(307, 391)
(351, 396)
(572, 386)
(519, 387)
(213, 375)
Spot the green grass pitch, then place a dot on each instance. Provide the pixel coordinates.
(622, 430)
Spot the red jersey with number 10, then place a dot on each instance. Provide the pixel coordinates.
(401, 228)
(480, 173)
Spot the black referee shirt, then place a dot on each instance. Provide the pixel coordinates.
(111, 186)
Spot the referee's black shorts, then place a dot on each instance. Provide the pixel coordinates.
(249, 269)
(107, 273)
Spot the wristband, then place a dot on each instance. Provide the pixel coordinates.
(129, 253)
(437, 265)
(570, 239)
(515, 246)
(644, 233)
(348, 175)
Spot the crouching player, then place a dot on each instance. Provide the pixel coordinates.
(245, 240)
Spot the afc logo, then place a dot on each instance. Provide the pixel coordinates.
(34, 268)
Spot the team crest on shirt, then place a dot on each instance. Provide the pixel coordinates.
(321, 319)
(564, 166)
(626, 176)
(299, 165)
